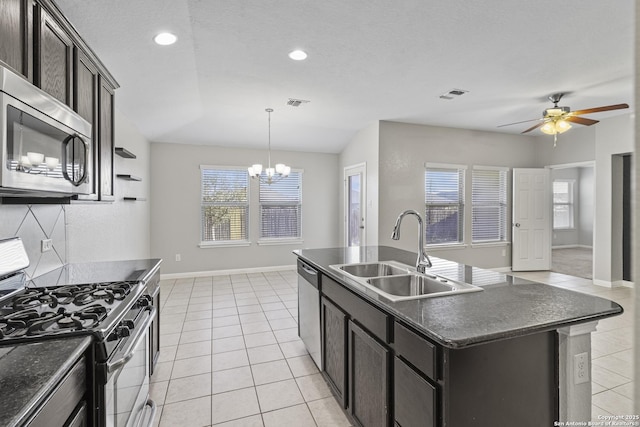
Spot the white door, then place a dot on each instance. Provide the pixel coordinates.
(354, 205)
(531, 220)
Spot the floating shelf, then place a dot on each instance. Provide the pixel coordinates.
(128, 177)
(123, 152)
(134, 199)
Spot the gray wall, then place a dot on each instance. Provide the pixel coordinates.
(175, 204)
(404, 148)
(584, 191)
(88, 231)
(362, 149)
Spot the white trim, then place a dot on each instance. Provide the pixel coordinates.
(275, 242)
(572, 247)
(589, 163)
(186, 275)
(357, 169)
(603, 283)
(223, 244)
(490, 244)
(444, 166)
(446, 246)
(501, 269)
(622, 284)
(226, 167)
(577, 330)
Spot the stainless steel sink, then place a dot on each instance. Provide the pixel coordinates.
(373, 269)
(410, 285)
(398, 282)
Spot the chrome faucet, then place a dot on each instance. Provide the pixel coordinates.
(423, 262)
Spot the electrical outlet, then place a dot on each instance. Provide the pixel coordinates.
(581, 368)
(504, 252)
(178, 258)
(46, 245)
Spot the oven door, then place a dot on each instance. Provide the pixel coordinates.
(127, 401)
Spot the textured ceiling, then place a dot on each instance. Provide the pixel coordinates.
(368, 60)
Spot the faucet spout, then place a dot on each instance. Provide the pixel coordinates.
(423, 262)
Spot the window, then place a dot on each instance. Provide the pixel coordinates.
(225, 204)
(444, 200)
(281, 208)
(562, 204)
(489, 204)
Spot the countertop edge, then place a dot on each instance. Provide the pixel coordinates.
(49, 387)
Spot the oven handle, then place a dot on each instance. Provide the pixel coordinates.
(152, 411)
(132, 343)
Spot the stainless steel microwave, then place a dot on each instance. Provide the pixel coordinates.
(46, 146)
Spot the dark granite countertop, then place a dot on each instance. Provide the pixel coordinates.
(29, 372)
(104, 271)
(507, 307)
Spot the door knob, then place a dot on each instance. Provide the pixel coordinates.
(517, 224)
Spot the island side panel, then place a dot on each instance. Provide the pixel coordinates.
(510, 382)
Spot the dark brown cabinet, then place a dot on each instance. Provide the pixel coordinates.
(106, 140)
(368, 378)
(414, 397)
(54, 70)
(85, 95)
(334, 336)
(16, 35)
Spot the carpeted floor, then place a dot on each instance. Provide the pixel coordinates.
(573, 261)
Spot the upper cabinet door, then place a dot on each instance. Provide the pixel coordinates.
(16, 29)
(54, 68)
(106, 140)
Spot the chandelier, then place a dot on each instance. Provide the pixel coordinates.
(271, 175)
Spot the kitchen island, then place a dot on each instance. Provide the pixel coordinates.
(501, 356)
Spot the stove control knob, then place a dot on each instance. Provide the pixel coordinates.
(128, 323)
(143, 302)
(123, 331)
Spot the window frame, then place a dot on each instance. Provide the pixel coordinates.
(246, 204)
(502, 204)
(285, 239)
(461, 171)
(570, 204)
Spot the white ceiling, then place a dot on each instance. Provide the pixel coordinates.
(368, 60)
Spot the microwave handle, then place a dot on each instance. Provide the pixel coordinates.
(65, 143)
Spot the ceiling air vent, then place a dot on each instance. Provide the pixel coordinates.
(296, 102)
(453, 93)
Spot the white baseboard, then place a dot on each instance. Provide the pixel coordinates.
(170, 276)
(571, 247)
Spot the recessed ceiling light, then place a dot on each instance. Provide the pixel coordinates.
(298, 55)
(165, 39)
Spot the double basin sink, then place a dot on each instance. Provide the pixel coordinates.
(398, 282)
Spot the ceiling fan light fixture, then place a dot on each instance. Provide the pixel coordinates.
(562, 126)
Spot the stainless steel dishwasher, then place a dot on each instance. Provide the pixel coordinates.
(309, 311)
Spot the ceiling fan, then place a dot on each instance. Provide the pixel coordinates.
(557, 120)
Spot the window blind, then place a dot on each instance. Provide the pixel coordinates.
(489, 205)
(563, 204)
(224, 204)
(281, 208)
(444, 202)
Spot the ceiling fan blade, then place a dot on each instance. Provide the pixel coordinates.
(517, 123)
(533, 127)
(599, 109)
(581, 120)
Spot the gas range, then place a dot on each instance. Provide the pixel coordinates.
(118, 315)
(38, 313)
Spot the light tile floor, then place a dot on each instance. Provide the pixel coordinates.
(231, 355)
(611, 345)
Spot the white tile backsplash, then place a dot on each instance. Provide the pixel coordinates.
(33, 223)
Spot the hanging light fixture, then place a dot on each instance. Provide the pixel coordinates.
(270, 175)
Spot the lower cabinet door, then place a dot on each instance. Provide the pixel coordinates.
(414, 397)
(334, 347)
(369, 364)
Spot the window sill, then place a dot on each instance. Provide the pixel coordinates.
(212, 245)
(275, 242)
(489, 244)
(447, 246)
